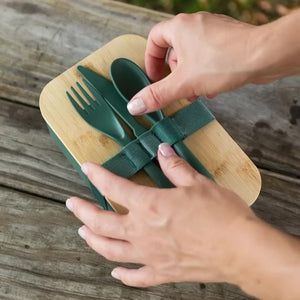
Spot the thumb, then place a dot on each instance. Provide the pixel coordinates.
(178, 171)
(160, 94)
(142, 277)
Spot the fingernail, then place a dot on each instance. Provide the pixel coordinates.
(166, 150)
(115, 275)
(84, 168)
(81, 232)
(136, 106)
(69, 204)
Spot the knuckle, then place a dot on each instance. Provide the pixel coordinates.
(91, 173)
(180, 21)
(139, 283)
(128, 230)
(108, 254)
(91, 242)
(182, 17)
(143, 284)
(95, 224)
(201, 15)
(175, 163)
(194, 177)
(155, 93)
(152, 210)
(141, 198)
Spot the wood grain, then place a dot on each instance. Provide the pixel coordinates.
(41, 256)
(32, 163)
(29, 160)
(41, 39)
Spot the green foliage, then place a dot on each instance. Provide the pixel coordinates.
(253, 11)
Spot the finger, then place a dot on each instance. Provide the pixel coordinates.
(192, 99)
(106, 223)
(116, 188)
(141, 277)
(161, 93)
(211, 96)
(111, 249)
(179, 172)
(159, 40)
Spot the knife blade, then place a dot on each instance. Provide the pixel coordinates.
(108, 91)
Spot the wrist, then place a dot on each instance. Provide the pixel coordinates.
(267, 262)
(274, 50)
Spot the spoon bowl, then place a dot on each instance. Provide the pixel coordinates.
(128, 79)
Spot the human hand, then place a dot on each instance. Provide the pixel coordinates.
(187, 233)
(209, 54)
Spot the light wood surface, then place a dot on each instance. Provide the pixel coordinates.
(41, 255)
(222, 157)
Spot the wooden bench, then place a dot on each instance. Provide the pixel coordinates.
(41, 255)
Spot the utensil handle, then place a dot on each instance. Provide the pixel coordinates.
(157, 175)
(183, 151)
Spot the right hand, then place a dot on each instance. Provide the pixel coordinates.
(209, 54)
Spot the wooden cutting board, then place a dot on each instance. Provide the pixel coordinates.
(217, 151)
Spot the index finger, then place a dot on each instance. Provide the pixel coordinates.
(118, 189)
(159, 40)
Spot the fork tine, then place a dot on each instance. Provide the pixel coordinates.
(75, 104)
(86, 95)
(81, 100)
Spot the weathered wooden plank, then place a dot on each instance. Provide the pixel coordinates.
(31, 162)
(42, 257)
(263, 120)
(40, 39)
(278, 203)
(29, 159)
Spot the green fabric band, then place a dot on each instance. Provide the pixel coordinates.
(77, 167)
(138, 153)
(134, 156)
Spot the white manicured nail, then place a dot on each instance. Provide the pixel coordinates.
(69, 204)
(81, 232)
(166, 150)
(136, 106)
(84, 168)
(115, 275)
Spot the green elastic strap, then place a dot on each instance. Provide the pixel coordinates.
(77, 167)
(138, 153)
(134, 156)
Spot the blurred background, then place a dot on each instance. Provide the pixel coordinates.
(250, 11)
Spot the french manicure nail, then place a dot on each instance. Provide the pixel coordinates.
(81, 232)
(136, 106)
(115, 275)
(69, 204)
(84, 168)
(166, 150)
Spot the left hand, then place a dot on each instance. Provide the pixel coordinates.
(188, 233)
